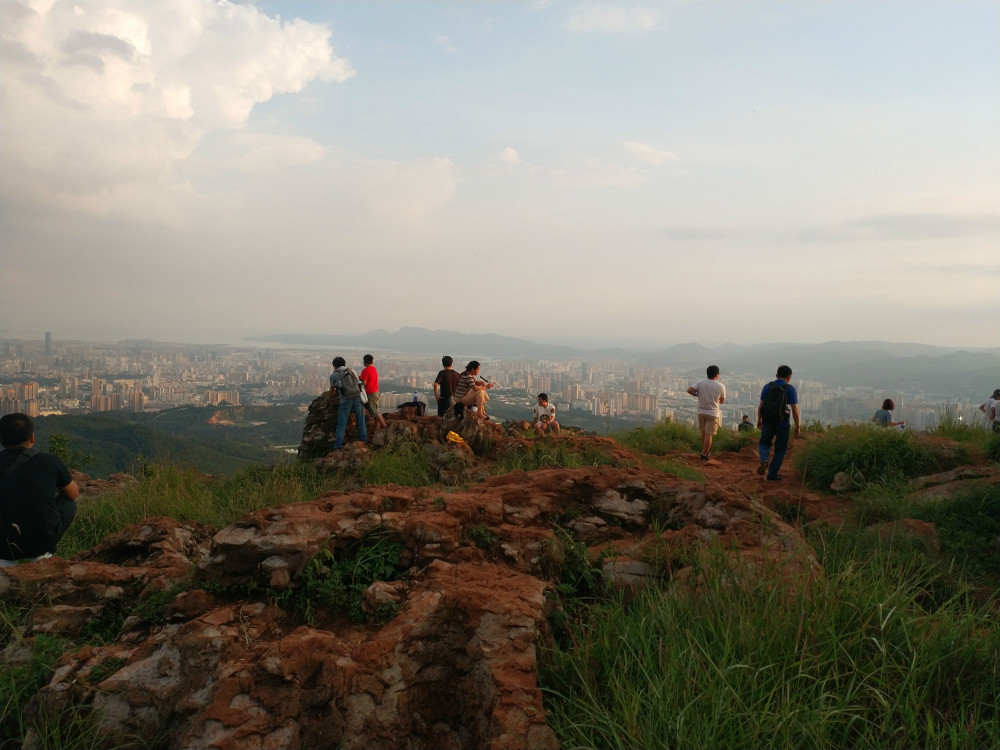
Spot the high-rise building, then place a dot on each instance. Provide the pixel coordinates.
(48, 342)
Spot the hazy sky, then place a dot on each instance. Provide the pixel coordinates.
(658, 172)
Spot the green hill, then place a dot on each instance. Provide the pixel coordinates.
(218, 440)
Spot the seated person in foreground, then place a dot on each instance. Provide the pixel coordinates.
(471, 392)
(545, 415)
(883, 416)
(37, 494)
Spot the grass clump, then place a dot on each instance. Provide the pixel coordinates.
(183, 494)
(334, 581)
(756, 660)
(545, 454)
(962, 423)
(869, 454)
(406, 465)
(661, 439)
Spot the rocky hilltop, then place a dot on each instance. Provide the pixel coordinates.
(384, 616)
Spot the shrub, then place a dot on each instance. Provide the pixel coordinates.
(869, 454)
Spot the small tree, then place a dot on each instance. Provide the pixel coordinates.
(59, 446)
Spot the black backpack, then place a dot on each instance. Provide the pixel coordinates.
(774, 407)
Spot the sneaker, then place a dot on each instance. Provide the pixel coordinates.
(704, 458)
(763, 467)
(775, 479)
(46, 556)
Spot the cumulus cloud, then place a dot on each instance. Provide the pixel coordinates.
(510, 156)
(612, 19)
(106, 99)
(648, 154)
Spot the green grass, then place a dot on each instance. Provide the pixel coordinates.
(963, 423)
(869, 454)
(664, 438)
(855, 660)
(406, 465)
(546, 454)
(183, 494)
(967, 524)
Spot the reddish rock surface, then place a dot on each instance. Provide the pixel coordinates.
(448, 655)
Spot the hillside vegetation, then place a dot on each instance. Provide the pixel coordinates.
(896, 644)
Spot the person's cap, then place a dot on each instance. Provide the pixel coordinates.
(996, 393)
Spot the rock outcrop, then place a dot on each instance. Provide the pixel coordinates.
(209, 639)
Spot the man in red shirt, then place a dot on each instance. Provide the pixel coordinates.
(369, 377)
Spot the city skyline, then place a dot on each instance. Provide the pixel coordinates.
(645, 174)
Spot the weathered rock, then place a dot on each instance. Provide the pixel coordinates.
(948, 484)
(843, 482)
(454, 667)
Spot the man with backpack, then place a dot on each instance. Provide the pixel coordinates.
(349, 392)
(37, 494)
(778, 401)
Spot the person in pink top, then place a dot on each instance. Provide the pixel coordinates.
(369, 377)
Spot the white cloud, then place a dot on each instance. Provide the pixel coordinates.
(105, 99)
(510, 156)
(444, 42)
(612, 19)
(648, 154)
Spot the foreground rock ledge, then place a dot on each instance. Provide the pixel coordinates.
(456, 667)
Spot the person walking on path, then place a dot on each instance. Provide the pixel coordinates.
(444, 386)
(710, 393)
(37, 494)
(369, 377)
(349, 391)
(778, 401)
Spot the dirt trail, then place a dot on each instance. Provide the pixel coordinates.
(740, 470)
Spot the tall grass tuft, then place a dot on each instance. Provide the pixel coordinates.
(661, 439)
(854, 660)
(869, 454)
(183, 494)
(546, 454)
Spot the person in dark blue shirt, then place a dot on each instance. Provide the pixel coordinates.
(773, 422)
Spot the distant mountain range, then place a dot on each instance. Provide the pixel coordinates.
(962, 373)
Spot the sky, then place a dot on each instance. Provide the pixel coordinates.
(578, 172)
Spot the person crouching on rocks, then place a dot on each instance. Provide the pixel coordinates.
(471, 392)
(37, 494)
(545, 415)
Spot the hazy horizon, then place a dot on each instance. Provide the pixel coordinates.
(654, 173)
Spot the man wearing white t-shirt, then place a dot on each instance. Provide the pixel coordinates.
(545, 415)
(710, 393)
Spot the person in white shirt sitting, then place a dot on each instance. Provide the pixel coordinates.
(545, 415)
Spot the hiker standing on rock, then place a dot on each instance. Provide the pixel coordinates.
(778, 401)
(444, 386)
(349, 390)
(369, 376)
(37, 494)
(710, 393)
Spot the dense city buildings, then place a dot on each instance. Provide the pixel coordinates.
(77, 377)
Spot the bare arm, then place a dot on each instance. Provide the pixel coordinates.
(71, 491)
(798, 419)
(693, 391)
